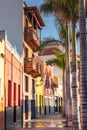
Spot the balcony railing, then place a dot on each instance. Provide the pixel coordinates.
(31, 38)
(30, 67)
(36, 72)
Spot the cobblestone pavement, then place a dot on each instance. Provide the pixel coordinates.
(56, 116)
(47, 122)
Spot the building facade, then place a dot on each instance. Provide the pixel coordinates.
(2, 70)
(32, 23)
(48, 90)
(39, 90)
(45, 55)
(12, 22)
(12, 84)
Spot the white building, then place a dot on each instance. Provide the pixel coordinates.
(47, 54)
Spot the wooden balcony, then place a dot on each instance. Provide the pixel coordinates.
(30, 67)
(35, 73)
(55, 85)
(31, 38)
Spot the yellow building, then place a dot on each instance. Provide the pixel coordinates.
(39, 90)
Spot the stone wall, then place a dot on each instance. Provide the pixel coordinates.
(1, 116)
(13, 117)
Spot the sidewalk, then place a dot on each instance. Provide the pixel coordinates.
(47, 122)
(56, 116)
(44, 128)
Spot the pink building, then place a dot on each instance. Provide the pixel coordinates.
(12, 94)
(48, 89)
(1, 84)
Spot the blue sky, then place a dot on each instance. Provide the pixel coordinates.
(49, 30)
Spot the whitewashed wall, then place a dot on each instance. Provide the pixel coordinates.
(56, 70)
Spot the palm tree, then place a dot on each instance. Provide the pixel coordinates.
(73, 11)
(74, 17)
(60, 61)
(68, 91)
(56, 7)
(68, 11)
(64, 36)
(83, 66)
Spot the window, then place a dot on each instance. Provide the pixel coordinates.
(26, 83)
(26, 52)
(9, 92)
(14, 99)
(33, 86)
(26, 21)
(32, 55)
(26, 107)
(40, 69)
(18, 95)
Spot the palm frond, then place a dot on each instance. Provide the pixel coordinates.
(55, 62)
(47, 42)
(61, 28)
(46, 8)
(59, 60)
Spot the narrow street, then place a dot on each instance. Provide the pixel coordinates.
(47, 122)
(43, 65)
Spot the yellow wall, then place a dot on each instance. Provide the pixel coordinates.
(39, 89)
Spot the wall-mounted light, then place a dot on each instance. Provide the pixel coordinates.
(40, 83)
(2, 55)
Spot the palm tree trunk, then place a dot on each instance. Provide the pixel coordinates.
(83, 67)
(74, 85)
(68, 91)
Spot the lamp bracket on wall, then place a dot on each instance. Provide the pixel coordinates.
(2, 55)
